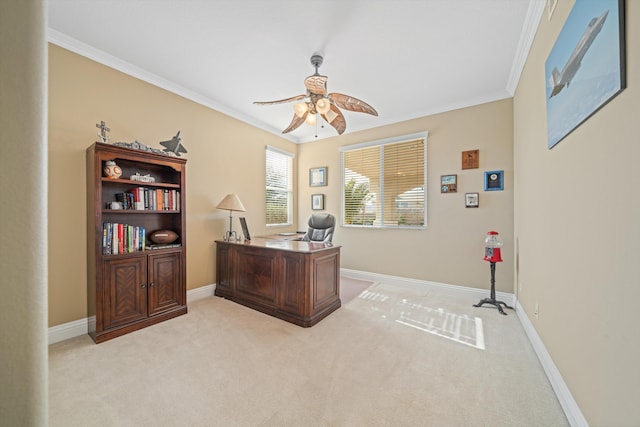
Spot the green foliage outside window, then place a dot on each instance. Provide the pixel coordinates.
(355, 198)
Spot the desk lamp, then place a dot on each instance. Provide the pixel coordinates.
(231, 203)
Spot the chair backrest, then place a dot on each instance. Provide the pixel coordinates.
(321, 228)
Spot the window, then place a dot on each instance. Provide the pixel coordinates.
(279, 191)
(384, 183)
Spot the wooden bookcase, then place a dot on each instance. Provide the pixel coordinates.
(143, 284)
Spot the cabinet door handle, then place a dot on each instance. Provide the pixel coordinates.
(152, 285)
(143, 286)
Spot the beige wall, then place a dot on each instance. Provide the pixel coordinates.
(451, 248)
(577, 225)
(23, 248)
(225, 156)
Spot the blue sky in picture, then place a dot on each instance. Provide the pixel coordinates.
(598, 76)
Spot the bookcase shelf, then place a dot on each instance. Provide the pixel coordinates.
(139, 183)
(133, 283)
(136, 212)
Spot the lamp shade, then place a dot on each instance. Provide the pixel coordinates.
(323, 106)
(311, 119)
(231, 203)
(300, 108)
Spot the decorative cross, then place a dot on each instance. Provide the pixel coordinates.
(103, 131)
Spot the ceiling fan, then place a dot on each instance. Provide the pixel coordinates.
(321, 102)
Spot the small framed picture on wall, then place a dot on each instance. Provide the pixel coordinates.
(494, 181)
(448, 183)
(317, 202)
(318, 177)
(471, 159)
(471, 200)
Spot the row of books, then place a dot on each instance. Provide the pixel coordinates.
(143, 198)
(122, 238)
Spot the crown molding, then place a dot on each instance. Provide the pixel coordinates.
(531, 22)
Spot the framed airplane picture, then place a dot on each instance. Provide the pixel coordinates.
(586, 66)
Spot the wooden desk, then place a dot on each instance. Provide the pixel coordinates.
(292, 280)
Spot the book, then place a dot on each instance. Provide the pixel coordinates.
(120, 238)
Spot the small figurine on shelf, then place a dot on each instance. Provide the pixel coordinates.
(142, 178)
(174, 145)
(103, 131)
(111, 170)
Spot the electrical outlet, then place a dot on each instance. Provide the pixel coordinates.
(537, 311)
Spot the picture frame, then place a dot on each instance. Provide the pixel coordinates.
(245, 229)
(471, 159)
(494, 181)
(586, 68)
(448, 183)
(317, 202)
(471, 200)
(318, 177)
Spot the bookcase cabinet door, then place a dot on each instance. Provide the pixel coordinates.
(165, 282)
(125, 293)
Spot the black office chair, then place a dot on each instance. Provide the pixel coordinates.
(321, 228)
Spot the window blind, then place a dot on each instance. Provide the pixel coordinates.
(279, 190)
(384, 184)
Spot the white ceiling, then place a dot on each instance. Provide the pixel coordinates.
(406, 58)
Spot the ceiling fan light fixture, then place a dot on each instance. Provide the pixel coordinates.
(311, 119)
(323, 106)
(300, 108)
(321, 102)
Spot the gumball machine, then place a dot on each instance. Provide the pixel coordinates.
(492, 254)
(492, 245)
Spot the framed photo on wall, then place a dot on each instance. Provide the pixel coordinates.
(471, 159)
(318, 177)
(494, 181)
(586, 66)
(317, 202)
(471, 200)
(448, 183)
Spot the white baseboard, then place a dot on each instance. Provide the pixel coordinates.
(81, 327)
(201, 292)
(569, 406)
(69, 330)
(445, 288)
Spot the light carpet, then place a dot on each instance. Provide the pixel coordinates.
(391, 356)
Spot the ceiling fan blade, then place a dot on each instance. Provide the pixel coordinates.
(281, 101)
(316, 84)
(338, 122)
(352, 104)
(296, 122)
